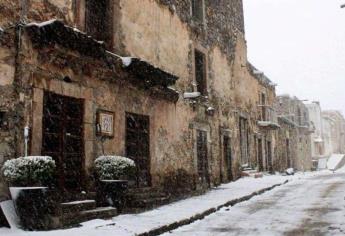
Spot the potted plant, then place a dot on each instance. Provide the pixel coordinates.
(113, 173)
(29, 179)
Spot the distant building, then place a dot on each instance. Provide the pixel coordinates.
(337, 130)
(294, 137)
(317, 137)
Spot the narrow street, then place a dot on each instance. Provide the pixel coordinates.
(315, 206)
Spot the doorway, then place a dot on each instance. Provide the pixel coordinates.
(260, 159)
(244, 142)
(228, 156)
(202, 156)
(138, 146)
(269, 156)
(62, 138)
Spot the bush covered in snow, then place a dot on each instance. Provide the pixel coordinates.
(114, 167)
(29, 171)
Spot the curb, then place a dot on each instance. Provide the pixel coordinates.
(187, 221)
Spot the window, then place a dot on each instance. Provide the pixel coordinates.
(263, 106)
(198, 10)
(3, 121)
(200, 72)
(98, 20)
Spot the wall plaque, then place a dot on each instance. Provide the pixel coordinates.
(105, 123)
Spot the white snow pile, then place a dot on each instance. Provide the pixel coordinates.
(290, 171)
(42, 24)
(113, 167)
(28, 169)
(126, 61)
(336, 161)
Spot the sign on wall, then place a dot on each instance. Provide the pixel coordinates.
(105, 123)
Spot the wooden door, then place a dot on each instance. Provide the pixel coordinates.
(288, 160)
(228, 156)
(244, 142)
(269, 156)
(260, 159)
(62, 138)
(138, 146)
(202, 156)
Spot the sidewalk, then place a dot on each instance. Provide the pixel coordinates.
(171, 216)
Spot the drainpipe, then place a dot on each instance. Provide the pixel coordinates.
(26, 140)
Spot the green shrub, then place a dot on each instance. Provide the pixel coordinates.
(114, 167)
(29, 171)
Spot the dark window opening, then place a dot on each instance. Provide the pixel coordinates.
(200, 72)
(3, 121)
(99, 20)
(299, 114)
(198, 10)
(67, 79)
(263, 107)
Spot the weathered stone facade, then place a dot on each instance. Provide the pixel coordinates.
(164, 35)
(294, 135)
(335, 132)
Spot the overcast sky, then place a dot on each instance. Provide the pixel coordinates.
(300, 45)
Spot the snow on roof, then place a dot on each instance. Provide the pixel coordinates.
(41, 24)
(318, 140)
(191, 95)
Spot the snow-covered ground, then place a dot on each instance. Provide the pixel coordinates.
(143, 222)
(311, 206)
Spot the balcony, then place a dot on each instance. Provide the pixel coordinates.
(306, 126)
(268, 118)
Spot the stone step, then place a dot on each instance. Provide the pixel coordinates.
(76, 206)
(148, 203)
(145, 195)
(142, 190)
(86, 215)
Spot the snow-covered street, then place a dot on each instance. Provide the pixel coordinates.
(311, 206)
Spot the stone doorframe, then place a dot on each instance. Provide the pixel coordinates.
(64, 89)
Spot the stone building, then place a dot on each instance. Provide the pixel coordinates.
(166, 83)
(294, 137)
(327, 129)
(317, 138)
(336, 135)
